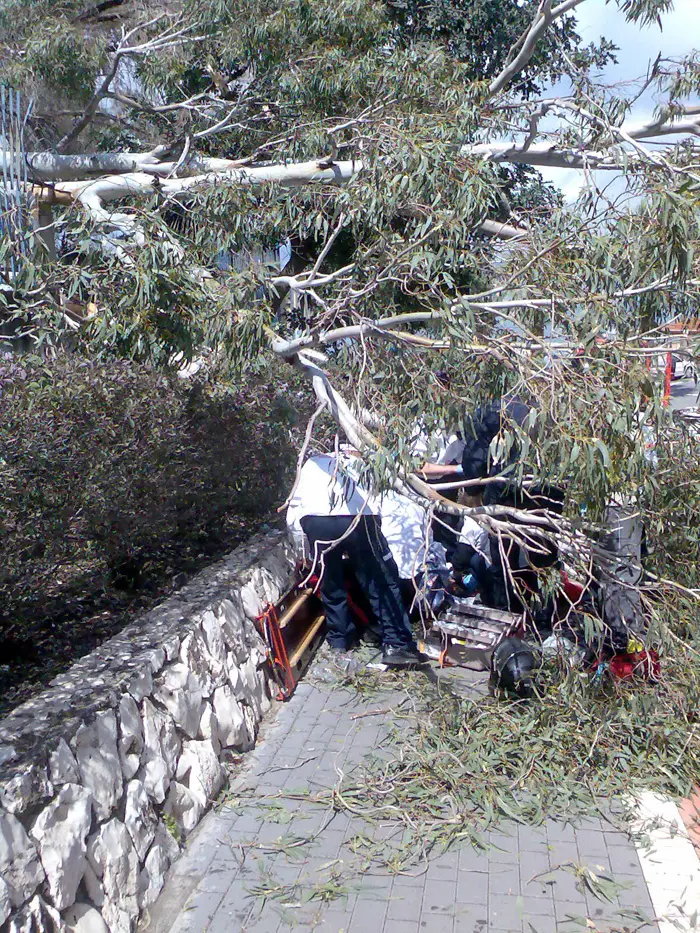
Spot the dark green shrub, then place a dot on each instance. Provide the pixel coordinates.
(114, 478)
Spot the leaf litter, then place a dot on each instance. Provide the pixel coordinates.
(453, 766)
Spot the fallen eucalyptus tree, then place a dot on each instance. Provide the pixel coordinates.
(398, 163)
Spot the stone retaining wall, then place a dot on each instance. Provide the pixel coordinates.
(106, 772)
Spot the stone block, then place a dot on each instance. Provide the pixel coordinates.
(7, 753)
(183, 807)
(161, 855)
(60, 832)
(5, 901)
(214, 638)
(63, 768)
(252, 604)
(251, 729)
(118, 920)
(82, 918)
(130, 736)
(140, 684)
(198, 661)
(199, 768)
(20, 867)
(113, 859)
(36, 917)
(95, 747)
(179, 691)
(161, 750)
(229, 718)
(140, 818)
(208, 728)
(235, 678)
(26, 789)
(231, 618)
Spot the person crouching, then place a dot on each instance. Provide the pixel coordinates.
(337, 517)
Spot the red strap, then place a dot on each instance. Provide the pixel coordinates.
(277, 651)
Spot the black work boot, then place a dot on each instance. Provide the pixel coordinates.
(402, 656)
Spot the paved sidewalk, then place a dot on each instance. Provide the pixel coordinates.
(271, 864)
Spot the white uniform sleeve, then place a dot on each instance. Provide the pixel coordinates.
(472, 533)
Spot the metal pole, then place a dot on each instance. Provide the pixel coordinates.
(668, 376)
(5, 173)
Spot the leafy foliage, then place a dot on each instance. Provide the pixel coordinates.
(481, 34)
(399, 103)
(115, 478)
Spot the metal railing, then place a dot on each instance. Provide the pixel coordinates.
(16, 201)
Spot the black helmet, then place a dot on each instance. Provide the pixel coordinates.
(512, 664)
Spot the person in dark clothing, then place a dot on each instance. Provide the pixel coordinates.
(466, 561)
(375, 570)
(513, 571)
(337, 517)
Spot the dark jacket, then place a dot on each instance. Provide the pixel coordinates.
(481, 428)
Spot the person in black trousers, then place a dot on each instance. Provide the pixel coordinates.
(339, 518)
(360, 538)
(510, 583)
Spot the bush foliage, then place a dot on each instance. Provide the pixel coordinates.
(114, 478)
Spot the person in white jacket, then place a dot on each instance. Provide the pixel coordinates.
(409, 536)
(337, 517)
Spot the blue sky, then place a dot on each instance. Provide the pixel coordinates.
(637, 47)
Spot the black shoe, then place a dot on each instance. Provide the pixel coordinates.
(402, 656)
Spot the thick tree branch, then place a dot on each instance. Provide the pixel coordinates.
(173, 37)
(544, 18)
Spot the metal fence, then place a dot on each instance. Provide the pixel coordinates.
(15, 197)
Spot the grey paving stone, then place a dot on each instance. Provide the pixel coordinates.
(565, 887)
(589, 822)
(565, 909)
(266, 923)
(537, 906)
(327, 844)
(561, 853)
(560, 832)
(539, 925)
(504, 879)
(473, 858)
(409, 878)
(405, 903)
(368, 915)
(472, 887)
(500, 857)
(439, 897)
(506, 913)
(232, 912)
(402, 926)
(443, 867)
(248, 822)
(599, 864)
(470, 917)
(505, 839)
(617, 838)
(624, 860)
(634, 893)
(534, 866)
(436, 924)
(599, 911)
(590, 842)
(219, 878)
(332, 921)
(532, 839)
(284, 872)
